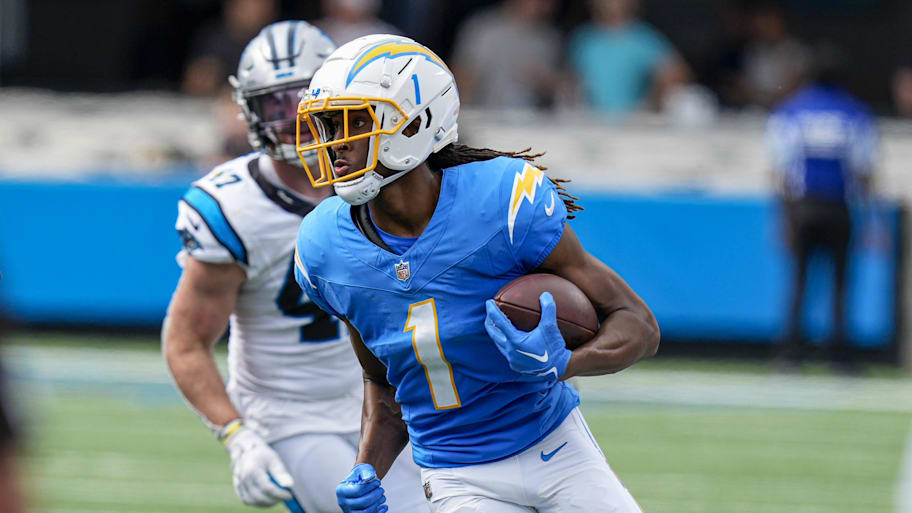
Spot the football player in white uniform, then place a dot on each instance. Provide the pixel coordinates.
(291, 411)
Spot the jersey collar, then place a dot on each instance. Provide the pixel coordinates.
(288, 201)
(422, 267)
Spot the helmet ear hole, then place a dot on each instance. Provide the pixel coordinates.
(412, 127)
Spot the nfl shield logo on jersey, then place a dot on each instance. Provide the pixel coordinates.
(402, 271)
(427, 490)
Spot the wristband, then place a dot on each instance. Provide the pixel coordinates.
(229, 429)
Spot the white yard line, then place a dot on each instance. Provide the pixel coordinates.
(750, 390)
(86, 365)
(904, 484)
(69, 365)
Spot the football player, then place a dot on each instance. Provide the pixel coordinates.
(422, 234)
(289, 415)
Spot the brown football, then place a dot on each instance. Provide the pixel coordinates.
(576, 317)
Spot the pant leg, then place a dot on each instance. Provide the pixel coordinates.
(318, 463)
(838, 237)
(498, 485)
(567, 473)
(802, 243)
(475, 504)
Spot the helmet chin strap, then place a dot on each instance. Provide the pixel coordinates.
(364, 188)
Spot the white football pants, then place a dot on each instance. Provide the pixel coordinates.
(564, 473)
(319, 462)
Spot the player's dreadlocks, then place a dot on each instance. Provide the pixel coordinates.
(457, 154)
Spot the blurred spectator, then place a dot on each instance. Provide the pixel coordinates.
(824, 144)
(217, 46)
(13, 33)
(775, 63)
(156, 55)
(346, 20)
(724, 71)
(621, 61)
(902, 90)
(431, 23)
(508, 55)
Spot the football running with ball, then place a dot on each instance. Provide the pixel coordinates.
(576, 317)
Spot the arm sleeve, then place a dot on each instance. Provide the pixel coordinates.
(655, 46)
(864, 152)
(311, 285)
(783, 140)
(197, 239)
(535, 220)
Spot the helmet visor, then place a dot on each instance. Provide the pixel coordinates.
(276, 112)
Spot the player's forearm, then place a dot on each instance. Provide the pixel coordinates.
(624, 338)
(199, 380)
(383, 432)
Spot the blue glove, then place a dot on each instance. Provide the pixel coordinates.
(360, 492)
(540, 352)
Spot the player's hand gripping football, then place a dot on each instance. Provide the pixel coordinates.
(260, 478)
(360, 492)
(540, 352)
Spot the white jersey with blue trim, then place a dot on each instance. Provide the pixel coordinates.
(280, 344)
(422, 313)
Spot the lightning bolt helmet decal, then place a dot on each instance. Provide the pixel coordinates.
(391, 49)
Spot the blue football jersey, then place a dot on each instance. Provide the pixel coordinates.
(422, 313)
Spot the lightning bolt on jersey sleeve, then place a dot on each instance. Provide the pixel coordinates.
(535, 213)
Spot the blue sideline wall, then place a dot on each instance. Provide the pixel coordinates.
(712, 268)
(717, 268)
(93, 253)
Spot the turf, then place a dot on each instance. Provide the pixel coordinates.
(691, 460)
(93, 452)
(133, 446)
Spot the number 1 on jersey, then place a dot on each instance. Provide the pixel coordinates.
(422, 322)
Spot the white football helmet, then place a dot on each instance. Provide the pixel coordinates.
(396, 81)
(275, 67)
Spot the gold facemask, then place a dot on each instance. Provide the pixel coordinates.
(314, 114)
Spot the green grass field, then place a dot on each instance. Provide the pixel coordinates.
(108, 434)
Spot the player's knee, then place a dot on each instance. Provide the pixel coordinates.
(317, 499)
